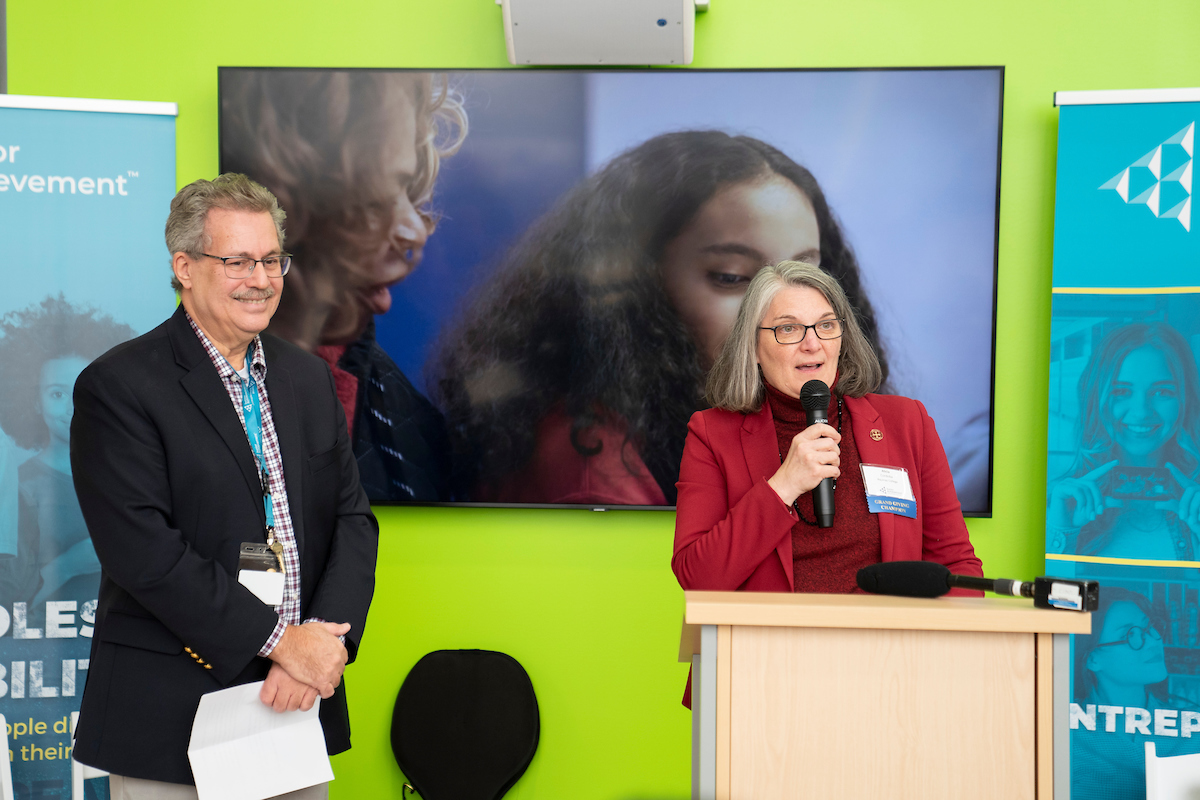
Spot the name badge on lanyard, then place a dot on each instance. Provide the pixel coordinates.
(259, 571)
(261, 567)
(889, 490)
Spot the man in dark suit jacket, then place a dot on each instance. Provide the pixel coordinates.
(186, 443)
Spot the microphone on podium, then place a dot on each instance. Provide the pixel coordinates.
(814, 396)
(930, 579)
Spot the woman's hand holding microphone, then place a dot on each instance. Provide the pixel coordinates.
(813, 456)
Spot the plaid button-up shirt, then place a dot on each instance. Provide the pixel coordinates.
(289, 611)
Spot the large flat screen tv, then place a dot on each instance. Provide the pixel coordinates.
(520, 277)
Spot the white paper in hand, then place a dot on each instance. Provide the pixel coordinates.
(244, 750)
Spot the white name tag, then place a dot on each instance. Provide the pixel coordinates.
(889, 490)
(267, 586)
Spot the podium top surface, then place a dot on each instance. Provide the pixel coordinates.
(988, 614)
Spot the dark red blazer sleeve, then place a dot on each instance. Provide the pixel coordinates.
(728, 522)
(945, 538)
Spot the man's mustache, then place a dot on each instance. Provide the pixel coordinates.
(254, 294)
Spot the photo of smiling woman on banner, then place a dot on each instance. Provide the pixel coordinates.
(42, 351)
(1132, 491)
(49, 572)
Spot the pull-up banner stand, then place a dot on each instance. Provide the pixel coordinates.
(1123, 461)
(85, 187)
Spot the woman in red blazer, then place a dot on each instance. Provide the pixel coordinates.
(745, 516)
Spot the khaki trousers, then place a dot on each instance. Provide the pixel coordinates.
(123, 788)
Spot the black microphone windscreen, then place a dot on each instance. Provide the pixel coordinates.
(814, 395)
(905, 578)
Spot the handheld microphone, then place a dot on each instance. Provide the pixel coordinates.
(929, 579)
(814, 396)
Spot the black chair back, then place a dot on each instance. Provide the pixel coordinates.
(465, 725)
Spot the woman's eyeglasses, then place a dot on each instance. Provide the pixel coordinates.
(794, 332)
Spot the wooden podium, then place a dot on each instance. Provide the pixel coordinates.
(864, 696)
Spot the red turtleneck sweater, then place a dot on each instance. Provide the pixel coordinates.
(826, 559)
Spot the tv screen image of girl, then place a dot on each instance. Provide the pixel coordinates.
(1121, 665)
(571, 375)
(42, 351)
(1132, 492)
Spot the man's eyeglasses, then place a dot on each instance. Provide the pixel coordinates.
(794, 332)
(242, 267)
(1135, 637)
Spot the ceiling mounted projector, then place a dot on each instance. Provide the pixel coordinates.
(586, 32)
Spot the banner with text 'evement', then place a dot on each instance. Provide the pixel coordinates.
(85, 187)
(1123, 500)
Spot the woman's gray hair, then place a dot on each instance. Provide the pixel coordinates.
(189, 211)
(735, 383)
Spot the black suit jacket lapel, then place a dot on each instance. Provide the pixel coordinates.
(203, 384)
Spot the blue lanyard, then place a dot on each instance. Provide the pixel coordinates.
(252, 412)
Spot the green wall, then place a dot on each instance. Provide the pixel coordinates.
(586, 601)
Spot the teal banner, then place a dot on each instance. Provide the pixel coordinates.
(1123, 207)
(84, 193)
(1123, 461)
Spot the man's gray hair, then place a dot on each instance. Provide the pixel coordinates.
(189, 212)
(735, 383)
